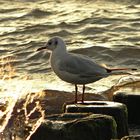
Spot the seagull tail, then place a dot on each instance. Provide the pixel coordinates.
(118, 71)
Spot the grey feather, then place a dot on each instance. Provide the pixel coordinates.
(81, 65)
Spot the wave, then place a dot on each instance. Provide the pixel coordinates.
(115, 1)
(62, 33)
(8, 10)
(125, 1)
(124, 29)
(37, 13)
(93, 30)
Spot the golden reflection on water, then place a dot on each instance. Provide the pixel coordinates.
(133, 87)
(69, 12)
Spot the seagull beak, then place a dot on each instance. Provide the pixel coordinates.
(42, 48)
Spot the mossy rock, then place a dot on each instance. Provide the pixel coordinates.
(132, 101)
(79, 126)
(117, 110)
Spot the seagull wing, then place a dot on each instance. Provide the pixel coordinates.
(82, 66)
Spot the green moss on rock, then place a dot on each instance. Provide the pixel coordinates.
(79, 126)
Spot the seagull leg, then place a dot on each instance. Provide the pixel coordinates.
(76, 89)
(83, 94)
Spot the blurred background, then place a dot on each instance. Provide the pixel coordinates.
(106, 30)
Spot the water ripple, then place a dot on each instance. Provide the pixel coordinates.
(37, 13)
(105, 30)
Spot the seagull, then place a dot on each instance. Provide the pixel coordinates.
(75, 68)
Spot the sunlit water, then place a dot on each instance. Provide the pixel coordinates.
(106, 30)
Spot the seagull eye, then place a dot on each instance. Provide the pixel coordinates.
(49, 43)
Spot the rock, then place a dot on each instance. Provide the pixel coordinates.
(134, 137)
(79, 126)
(132, 101)
(31, 107)
(117, 110)
(53, 100)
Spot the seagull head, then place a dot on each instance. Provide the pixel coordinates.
(53, 44)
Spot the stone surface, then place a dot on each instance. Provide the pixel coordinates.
(79, 126)
(117, 110)
(132, 101)
(133, 137)
(53, 100)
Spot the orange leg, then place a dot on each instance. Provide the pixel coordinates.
(83, 94)
(76, 90)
